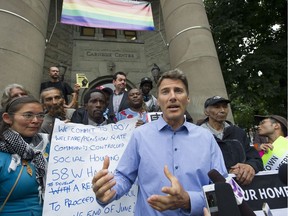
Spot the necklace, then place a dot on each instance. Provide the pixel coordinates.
(28, 168)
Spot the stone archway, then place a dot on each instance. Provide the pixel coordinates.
(104, 81)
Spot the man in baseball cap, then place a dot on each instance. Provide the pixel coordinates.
(214, 100)
(105, 89)
(146, 85)
(240, 158)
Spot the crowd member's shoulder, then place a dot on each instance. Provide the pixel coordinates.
(78, 115)
(201, 121)
(232, 127)
(193, 127)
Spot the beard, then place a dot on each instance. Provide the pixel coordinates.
(57, 111)
(55, 77)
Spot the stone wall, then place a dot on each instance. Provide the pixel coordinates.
(64, 41)
(67, 47)
(59, 45)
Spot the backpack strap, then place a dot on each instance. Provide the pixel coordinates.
(13, 187)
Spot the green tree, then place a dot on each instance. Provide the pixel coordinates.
(251, 42)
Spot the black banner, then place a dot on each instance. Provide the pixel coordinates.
(266, 187)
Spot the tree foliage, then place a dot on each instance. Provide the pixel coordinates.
(251, 41)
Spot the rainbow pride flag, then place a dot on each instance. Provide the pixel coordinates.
(111, 14)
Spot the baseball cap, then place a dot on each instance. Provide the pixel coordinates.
(278, 118)
(105, 89)
(146, 80)
(214, 100)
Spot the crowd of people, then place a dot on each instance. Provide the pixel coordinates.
(169, 182)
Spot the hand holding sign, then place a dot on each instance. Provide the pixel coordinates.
(266, 146)
(102, 183)
(176, 197)
(244, 173)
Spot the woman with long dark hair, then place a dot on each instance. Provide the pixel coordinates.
(23, 158)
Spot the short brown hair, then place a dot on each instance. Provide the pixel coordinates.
(118, 73)
(174, 74)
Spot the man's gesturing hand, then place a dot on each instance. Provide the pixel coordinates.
(102, 183)
(176, 196)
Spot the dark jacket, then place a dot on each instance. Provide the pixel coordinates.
(123, 104)
(235, 147)
(81, 116)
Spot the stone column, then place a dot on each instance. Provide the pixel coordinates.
(23, 27)
(192, 50)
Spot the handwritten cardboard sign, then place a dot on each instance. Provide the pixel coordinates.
(76, 154)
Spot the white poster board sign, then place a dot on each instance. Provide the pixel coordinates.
(76, 154)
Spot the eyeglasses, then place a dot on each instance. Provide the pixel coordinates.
(267, 120)
(31, 116)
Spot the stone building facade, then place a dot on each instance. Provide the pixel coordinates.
(32, 39)
(99, 57)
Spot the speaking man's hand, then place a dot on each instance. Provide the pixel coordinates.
(103, 182)
(176, 196)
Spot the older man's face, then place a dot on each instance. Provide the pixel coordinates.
(217, 112)
(53, 102)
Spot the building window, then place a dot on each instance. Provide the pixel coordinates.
(130, 35)
(109, 33)
(87, 31)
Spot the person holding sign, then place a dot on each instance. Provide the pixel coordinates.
(240, 158)
(57, 82)
(23, 158)
(271, 127)
(275, 152)
(170, 156)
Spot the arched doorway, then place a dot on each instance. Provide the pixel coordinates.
(106, 81)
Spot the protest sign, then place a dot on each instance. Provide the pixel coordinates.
(76, 154)
(279, 155)
(266, 187)
(153, 116)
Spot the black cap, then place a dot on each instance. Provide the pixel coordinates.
(214, 100)
(278, 118)
(146, 80)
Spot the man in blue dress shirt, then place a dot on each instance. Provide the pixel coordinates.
(170, 157)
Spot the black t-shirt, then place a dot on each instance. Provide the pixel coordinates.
(63, 86)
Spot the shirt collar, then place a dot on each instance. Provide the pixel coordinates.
(120, 93)
(162, 125)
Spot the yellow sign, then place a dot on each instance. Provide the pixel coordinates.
(279, 155)
(82, 80)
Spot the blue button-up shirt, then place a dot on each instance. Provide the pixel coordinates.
(189, 152)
